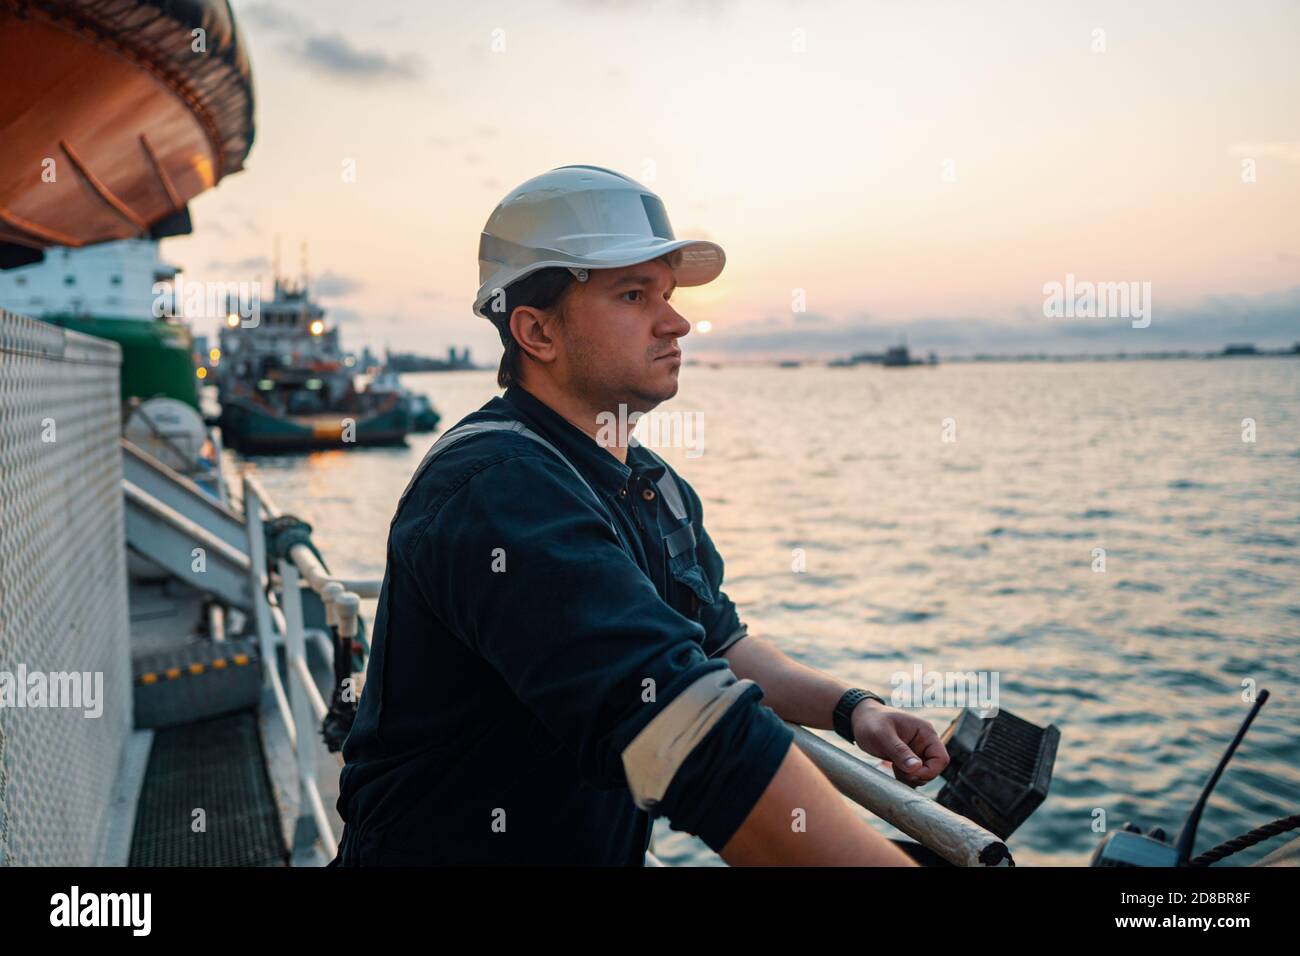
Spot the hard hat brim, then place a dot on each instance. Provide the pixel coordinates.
(694, 262)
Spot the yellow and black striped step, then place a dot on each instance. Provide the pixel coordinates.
(195, 682)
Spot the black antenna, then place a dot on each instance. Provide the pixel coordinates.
(1187, 836)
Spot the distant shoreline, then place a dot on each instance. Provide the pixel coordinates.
(989, 358)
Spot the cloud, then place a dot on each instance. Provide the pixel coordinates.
(1287, 152)
(470, 140)
(342, 316)
(270, 18)
(329, 284)
(334, 54)
(251, 264)
(329, 53)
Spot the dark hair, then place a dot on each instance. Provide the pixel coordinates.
(542, 289)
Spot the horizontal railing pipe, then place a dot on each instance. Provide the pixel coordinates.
(958, 840)
(314, 698)
(309, 566)
(317, 578)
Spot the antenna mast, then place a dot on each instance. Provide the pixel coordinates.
(275, 264)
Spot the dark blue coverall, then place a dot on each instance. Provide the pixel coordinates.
(521, 643)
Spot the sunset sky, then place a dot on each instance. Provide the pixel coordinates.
(920, 170)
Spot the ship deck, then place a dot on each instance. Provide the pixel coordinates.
(219, 790)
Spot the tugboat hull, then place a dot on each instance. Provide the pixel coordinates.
(250, 429)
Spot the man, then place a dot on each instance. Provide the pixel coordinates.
(554, 661)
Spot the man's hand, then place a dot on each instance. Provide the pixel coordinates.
(908, 742)
(806, 696)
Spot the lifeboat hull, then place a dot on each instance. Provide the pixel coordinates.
(113, 117)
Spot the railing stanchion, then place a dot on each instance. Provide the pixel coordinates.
(309, 827)
(256, 577)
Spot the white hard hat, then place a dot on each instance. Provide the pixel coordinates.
(584, 217)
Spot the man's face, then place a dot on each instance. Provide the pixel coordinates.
(618, 340)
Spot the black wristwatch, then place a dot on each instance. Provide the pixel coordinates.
(842, 717)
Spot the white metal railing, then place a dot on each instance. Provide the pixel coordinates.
(299, 703)
(219, 456)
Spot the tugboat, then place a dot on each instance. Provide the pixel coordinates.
(424, 418)
(898, 356)
(286, 385)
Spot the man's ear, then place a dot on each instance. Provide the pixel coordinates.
(531, 329)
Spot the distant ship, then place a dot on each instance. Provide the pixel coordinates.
(286, 385)
(897, 356)
(424, 418)
(410, 362)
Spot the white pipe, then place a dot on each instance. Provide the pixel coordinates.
(306, 561)
(308, 564)
(300, 702)
(216, 622)
(324, 830)
(346, 606)
(319, 579)
(303, 673)
(328, 595)
(251, 480)
(223, 493)
(282, 705)
(257, 584)
(958, 840)
(266, 616)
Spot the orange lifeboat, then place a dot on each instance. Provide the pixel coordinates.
(114, 114)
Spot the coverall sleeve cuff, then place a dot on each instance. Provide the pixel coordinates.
(718, 787)
(728, 641)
